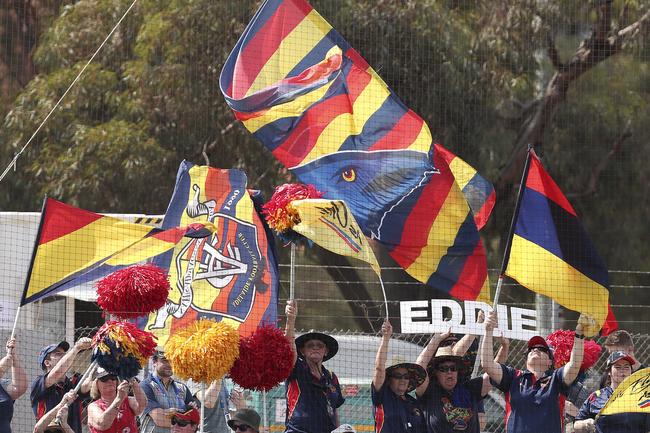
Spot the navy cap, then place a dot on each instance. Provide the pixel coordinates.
(618, 356)
(49, 349)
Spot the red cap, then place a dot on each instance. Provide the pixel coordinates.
(191, 415)
(537, 341)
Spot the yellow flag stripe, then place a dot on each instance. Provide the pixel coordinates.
(441, 235)
(66, 255)
(338, 130)
(290, 109)
(291, 51)
(463, 172)
(545, 273)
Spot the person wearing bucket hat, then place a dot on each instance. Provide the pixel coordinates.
(536, 394)
(449, 403)
(394, 409)
(112, 410)
(313, 393)
(49, 388)
(245, 420)
(620, 366)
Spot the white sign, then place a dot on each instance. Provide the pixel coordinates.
(426, 317)
(7, 313)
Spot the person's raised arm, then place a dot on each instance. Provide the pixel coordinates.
(18, 384)
(291, 310)
(139, 401)
(504, 349)
(463, 345)
(379, 375)
(211, 394)
(46, 419)
(425, 356)
(572, 368)
(61, 368)
(492, 368)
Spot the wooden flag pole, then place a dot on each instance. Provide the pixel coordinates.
(506, 253)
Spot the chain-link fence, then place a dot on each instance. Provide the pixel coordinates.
(353, 364)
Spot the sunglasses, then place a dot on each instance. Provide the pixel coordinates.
(180, 422)
(107, 378)
(241, 427)
(446, 368)
(400, 376)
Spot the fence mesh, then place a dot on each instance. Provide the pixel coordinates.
(101, 100)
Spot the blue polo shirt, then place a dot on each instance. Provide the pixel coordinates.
(531, 403)
(312, 401)
(616, 423)
(6, 407)
(44, 399)
(455, 410)
(396, 414)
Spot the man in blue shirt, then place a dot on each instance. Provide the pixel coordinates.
(535, 396)
(313, 392)
(619, 367)
(49, 388)
(165, 397)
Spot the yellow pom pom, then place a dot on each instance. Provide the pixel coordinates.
(204, 351)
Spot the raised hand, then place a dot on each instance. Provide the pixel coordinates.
(386, 329)
(492, 321)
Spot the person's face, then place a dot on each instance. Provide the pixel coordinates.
(619, 371)
(53, 358)
(182, 426)
(447, 374)
(163, 367)
(314, 350)
(398, 381)
(538, 359)
(107, 386)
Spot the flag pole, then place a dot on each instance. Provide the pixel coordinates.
(506, 253)
(31, 266)
(383, 290)
(202, 406)
(265, 421)
(292, 272)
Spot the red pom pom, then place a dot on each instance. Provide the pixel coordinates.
(264, 360)
(279, 213)
(562, 342)
(134, 291)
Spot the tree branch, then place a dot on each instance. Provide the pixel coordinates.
(592, 51)
(592, 184)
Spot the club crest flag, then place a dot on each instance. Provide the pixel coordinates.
(324, 113)
(633, 395)
(330, 224)
(552, 253)
(76, 246)
(230, 274)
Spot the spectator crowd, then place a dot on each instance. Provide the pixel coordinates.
(434, 393)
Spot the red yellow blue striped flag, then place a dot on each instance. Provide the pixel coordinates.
(552, 253)
(323, 112)
(76, 246)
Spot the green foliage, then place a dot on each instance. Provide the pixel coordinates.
(471, 69)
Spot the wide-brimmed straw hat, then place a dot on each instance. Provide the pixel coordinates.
(416, 373)
(330, 342)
